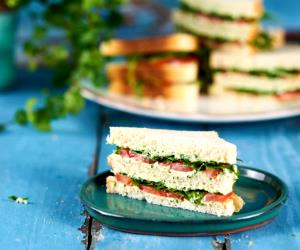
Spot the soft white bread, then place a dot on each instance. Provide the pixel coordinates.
(252, 9)
(178, 42)
(287, 57)
(195, 146)
(156, 72)
(277, 36)
(215, 28)
(176, 92)
(194, 180)
(262, 84)
(232, 204)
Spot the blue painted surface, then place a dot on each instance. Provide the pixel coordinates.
(7, 46)
(50, 168)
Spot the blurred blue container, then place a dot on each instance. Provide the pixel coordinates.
(7, 46)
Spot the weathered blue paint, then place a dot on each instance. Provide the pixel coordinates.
(50, 168)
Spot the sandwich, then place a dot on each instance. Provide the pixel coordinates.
(164, 66)
(270, 73)
(219, 20)
(233, 22)
(181, 169)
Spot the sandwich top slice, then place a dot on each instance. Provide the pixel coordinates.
(180, 145)
(228, 9)
(179, 42)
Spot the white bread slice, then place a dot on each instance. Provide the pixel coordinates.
(263, 84)
(177, 71)
(287, 57)
(176, 92)
(178, 42)
(232, 204)
(215, 28)
(252, 9)
(195, 146)
(194, 180)
(277, 36)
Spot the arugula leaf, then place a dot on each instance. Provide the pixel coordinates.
(197, 165)
(194, 196)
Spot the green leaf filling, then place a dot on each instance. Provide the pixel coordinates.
(197, 165)
(194, 196)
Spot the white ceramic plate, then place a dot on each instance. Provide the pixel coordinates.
(207, 109)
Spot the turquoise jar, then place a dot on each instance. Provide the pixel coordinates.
(7, 46)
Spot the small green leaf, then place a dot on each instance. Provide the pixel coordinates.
(2, 127)
(12, 198)
(21, 117)
(30, 104)
(21, 200)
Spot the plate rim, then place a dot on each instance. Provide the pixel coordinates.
(238, 217)
(101, 99)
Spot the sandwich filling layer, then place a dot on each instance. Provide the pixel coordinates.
(233, 9)
(215, 28)
(175, 174)
(220, 205)
(262, 84)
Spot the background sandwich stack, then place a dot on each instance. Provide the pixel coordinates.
(182, 169)
(154, 67)
(246, 61)
(266, 74)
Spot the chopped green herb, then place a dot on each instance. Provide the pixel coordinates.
(194, 196)
(21, 200)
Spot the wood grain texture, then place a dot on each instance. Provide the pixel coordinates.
(49, 168)
(273, 146)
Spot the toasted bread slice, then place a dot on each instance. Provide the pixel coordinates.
(179, 42)
(167, 71)
(215, 28)
(176, 92)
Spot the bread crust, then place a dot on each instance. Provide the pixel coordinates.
(179, 42)
(156, 73)
(176, 92)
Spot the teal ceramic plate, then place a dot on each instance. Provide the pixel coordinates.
(263, 193)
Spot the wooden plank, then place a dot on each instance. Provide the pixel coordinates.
(273, 146)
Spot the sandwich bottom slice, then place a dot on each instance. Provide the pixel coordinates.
(199, 201)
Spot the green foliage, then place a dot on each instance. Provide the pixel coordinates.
(15, 3)
(83, 24)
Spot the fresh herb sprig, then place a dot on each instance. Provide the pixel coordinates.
(83, 24)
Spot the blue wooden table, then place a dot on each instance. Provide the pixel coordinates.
(49, 168)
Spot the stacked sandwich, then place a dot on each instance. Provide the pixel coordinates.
(269, 74)
(221, 21)
(182, 169)
(154, 67)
